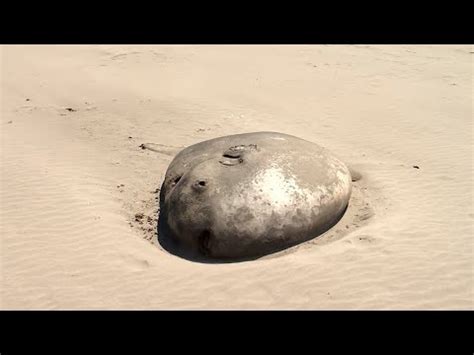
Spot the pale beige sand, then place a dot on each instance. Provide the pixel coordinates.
(65, 233)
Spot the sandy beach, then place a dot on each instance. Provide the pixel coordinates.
(78, 194)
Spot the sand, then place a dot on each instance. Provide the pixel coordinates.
(78, 194)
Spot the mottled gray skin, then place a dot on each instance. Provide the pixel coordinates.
(247, 195)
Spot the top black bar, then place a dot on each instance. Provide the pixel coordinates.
(89, 25)
(64, 36)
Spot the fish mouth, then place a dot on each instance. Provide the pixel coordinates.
(231, 157)
(234, 155)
